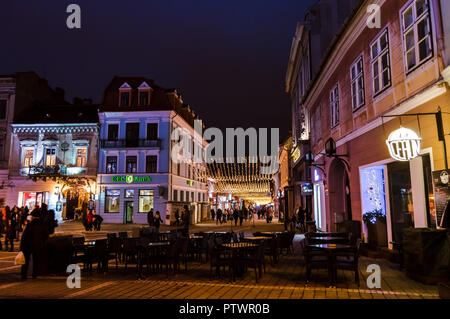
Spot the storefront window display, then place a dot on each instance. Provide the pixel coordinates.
(35, 199)
(145, 200)
(112, 201)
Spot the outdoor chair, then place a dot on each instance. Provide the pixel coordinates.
(218, 258)
(130, 251)
(349, 263)
(182, 251)
(235, 237)
(170, 259)
(123, 234)
(98, 255)
(315, 260)
(255, 259)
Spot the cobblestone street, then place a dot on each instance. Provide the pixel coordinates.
(284, 280)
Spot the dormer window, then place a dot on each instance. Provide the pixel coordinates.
(144, 94)
(124, 96)
(143, 98)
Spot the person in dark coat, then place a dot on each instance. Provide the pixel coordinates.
(97, 222)
(235, 216)
(213, 214)
(219, 217)
(157, 221)
(50, 222)
(33, 243)
(186, 221)
(150, 218)
(241, 217)
(10, 229)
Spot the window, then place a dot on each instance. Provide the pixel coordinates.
(192, 197)
(129, 193)
(199, 199)
(175, 195)
(381, 69)
(131, 164)
(334, 105)
(50, 156)
(143, 98)
(178, 168)
(28, 158)
(182, 196)
(152, 131)
(357, 83)
(113, 132)
(2, 109)
(81, 157)
(124, 98)
(145, 200)
(151, 164)
(132, 134)
(111, 164)
(2, 149)
(112, 200)
(416, 29)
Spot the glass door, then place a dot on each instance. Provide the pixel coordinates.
(402, 212)
(128, 214)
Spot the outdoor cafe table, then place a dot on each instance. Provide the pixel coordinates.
(332, 250)
(236, 249)
(328, 240)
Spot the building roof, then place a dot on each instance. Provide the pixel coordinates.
(161, 99)
(59, 114)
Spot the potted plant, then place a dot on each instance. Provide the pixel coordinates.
(376, 227)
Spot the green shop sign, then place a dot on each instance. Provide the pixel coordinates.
(190, 183)
(130, 179)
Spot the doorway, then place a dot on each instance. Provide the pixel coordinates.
(401, 201)
(128, 213)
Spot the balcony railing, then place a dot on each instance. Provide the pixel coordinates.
(123, 143)
(52, 170)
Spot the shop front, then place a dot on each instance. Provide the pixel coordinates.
(127, 198)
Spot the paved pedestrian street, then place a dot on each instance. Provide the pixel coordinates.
(284, 280)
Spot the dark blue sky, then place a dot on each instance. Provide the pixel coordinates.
(228, 58)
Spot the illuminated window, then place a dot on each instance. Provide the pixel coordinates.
(129, 193)
(50, 156)
(417, 41)
(81, 157)
(145, 200)
(357, 83)
(28, 158)
(112, 201)
(111, 164)
(131, 164)
(381, 68)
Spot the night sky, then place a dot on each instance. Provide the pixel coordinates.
(228, 58)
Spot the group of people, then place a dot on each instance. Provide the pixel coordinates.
(297, 220)
(237, 215)
(91, 221)
(13, 221)
(155, 220)
(32, 228)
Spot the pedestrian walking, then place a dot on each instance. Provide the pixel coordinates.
(186, 221)
(150, 218)
(241, 217)
(213, 214)
(177, 217)
(219, 216)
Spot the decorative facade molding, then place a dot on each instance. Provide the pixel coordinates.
(55, 128)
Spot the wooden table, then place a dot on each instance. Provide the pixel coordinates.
(332, 250)
(255, 238)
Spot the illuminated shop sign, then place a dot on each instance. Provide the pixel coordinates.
(295, 154)
(190, 183)
(130, 179)
(316, 175)
(403, 144)
(307, 189)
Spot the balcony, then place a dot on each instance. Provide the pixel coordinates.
(52, 171)
(137, 143)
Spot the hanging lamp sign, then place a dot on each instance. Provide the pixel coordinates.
(403, 144)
